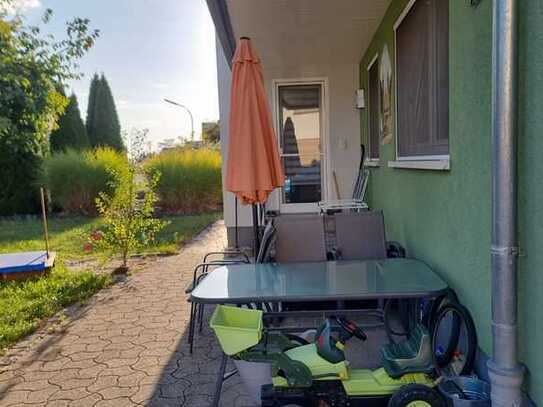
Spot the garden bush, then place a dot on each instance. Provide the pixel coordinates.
(190, 179)
(33, 67)
(128, 222)
(74, 179)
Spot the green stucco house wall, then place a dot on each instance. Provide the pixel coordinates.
(444, 217)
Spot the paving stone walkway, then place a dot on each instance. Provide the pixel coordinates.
(126, 347)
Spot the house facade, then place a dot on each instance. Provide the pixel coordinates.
(424, 68)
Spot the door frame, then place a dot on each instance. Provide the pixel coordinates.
(324, 129)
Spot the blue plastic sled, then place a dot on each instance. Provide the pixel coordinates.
(26, 262)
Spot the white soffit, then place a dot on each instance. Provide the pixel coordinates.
(307, 32)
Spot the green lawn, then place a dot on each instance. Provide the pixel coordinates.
(68, 236)
(23, 305)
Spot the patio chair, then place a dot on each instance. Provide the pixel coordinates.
(206, 264)
(202, 269)
(300, 238)
(230, 253)
(267, 242)
(265, 256)
(361, 235)
(356, 202)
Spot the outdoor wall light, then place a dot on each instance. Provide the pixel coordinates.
(360, 103)
(475, 3)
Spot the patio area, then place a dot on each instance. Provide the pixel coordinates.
(126, 347)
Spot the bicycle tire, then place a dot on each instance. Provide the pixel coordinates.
(461, 312)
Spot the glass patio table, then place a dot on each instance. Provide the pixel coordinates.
(397, 278)
(319, 281)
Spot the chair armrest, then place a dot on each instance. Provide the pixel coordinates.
(204, 267)
(395, 250)
(227, 252)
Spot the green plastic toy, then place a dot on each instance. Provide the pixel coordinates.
(317, 374)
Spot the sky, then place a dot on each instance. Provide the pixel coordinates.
(148, 50)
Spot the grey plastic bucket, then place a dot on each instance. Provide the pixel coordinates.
(464, 391)
(254, 375)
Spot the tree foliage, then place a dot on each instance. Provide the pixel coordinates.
(103, 126)
(128, 221)
(33, 67)
(71, 132)
(91, 108)
(211, 132)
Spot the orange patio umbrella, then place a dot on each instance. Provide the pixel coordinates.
(253, 169)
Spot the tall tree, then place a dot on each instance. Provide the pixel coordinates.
(103, 124)
(33, 67)
(91, 107)
(71, 132)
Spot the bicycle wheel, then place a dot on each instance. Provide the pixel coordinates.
(454, 340)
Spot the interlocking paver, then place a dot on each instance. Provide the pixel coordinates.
(91, 372)
(15, 397)
(118, 402)
(41, 395)
(116, 392)
(126, 347)
(69, 395)
(88, 401)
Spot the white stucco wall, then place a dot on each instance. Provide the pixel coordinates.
(343, 130)
(224, 77)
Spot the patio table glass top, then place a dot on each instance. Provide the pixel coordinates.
(319, 281)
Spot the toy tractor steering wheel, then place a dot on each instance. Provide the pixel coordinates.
(351, 328)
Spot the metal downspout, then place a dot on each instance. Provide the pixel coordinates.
(505, 372)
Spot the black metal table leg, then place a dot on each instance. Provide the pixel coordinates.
(220, 380)
(201, 317)
(192, 324)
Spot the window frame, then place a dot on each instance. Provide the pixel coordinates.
(429, 161)
(372, 161)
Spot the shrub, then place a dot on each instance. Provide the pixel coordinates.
(128, 221)
(190, 179)
(75, 179)
(33, 65)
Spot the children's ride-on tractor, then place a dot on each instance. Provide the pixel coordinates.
(317, 374)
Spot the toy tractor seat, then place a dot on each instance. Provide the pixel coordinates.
(414, 355)
(328, 347)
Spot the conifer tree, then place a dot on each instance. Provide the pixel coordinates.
(91, 107)
(103, 122)
(71, 132)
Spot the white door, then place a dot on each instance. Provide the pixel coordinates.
(300, 123)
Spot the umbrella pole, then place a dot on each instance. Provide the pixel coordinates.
(255, 230)
(236, 221)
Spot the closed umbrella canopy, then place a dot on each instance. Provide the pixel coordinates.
(253, 168)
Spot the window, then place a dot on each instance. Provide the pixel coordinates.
(300, 121)
(422, 80)
(373, 111)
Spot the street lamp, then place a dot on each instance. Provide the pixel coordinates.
(188, 111)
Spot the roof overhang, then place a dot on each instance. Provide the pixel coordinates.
(223, 27)
(307, 32)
